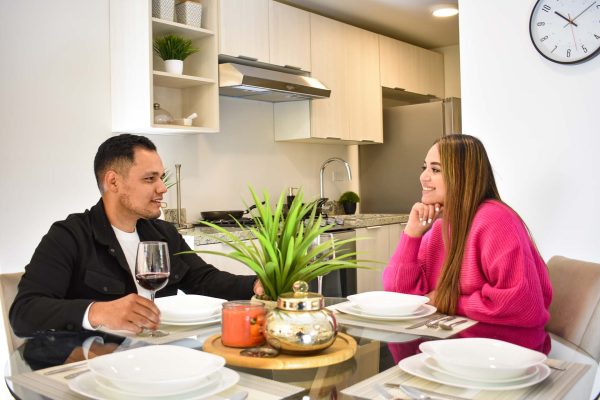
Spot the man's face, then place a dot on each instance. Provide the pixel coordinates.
(141, 188)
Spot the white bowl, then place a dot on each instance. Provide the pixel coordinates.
(190, 307)
(482, 358)
(387, 303)
(156, 369)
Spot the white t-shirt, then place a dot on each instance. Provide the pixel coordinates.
(129, 243)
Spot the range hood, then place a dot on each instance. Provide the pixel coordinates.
(252, 83)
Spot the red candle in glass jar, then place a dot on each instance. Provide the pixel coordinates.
(243, 323)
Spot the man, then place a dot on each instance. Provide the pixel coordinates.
(81, 274)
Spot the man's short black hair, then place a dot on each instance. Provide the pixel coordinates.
(118, 149)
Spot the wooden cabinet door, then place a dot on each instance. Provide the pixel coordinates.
(376, 248)
(289, 36)
(395, 230)
(244, 28)
(432, 75)
(328, 59)
(399, 64)
(364, 108)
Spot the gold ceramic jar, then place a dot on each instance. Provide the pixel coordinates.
(300, 324)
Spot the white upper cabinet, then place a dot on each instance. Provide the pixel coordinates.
(411, 68)
(289, 36)
(244, 29)
(265, 31)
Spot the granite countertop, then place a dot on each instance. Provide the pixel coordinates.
(341, 222)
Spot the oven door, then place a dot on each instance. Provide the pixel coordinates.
(340, 283)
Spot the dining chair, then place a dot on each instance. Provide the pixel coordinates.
(8, 291)
(575, 307)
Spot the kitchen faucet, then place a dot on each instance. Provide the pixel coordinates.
(325, 163)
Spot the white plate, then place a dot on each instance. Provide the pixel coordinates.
(415, 365)
(183, 308)
(348, 308)
(433, 364)
(387, 303)
(216, 314)
(109, 388)
(156, 369)
(482, 358)
(86, 385)
(201, 322)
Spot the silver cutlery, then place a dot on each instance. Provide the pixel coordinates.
(379, 388)
(76, 374)
(437, 323)
(65, 369)
(423, 392)
(448, 327)
(427, 321)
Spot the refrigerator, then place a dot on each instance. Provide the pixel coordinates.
(389, 172)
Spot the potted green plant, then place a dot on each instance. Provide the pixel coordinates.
(173, 49)
(283, 254)
(348, 200)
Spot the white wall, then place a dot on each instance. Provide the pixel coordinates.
(539, 123)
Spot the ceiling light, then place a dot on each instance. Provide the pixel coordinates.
(445, 11)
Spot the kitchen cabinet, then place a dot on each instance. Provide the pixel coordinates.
(411, 68)
(244, 29)
(346, 60)
(265, 31)
(221, 262)
(138, 79)
(379, 245)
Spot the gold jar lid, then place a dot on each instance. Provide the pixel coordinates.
(300, 299)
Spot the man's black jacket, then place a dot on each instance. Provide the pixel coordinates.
(80, 260)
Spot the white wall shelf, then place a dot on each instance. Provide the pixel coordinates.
(166, 79)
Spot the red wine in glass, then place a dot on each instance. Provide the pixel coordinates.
(153, 281)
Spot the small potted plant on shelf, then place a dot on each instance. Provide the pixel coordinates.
(348, 200)
(173, 49)
(285, 251)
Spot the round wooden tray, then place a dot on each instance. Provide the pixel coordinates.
(342, 349)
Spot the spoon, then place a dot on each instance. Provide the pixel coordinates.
(449, 327)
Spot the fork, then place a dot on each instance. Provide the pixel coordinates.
(436, 323)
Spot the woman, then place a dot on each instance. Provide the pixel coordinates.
(465, 248)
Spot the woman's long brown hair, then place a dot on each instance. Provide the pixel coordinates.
(469, 180)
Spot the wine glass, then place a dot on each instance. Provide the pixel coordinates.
(322, 238)
(152, 268)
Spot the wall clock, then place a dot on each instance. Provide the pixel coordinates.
(566, 31)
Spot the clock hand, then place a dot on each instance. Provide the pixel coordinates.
(587, 8)
(565, 18)
(573, 33)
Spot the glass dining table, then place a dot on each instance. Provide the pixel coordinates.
(377, 351)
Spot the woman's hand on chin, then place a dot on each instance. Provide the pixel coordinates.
(421, 218)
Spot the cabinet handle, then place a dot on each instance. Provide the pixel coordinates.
(373, 227)
(292, 67)
(248, 58)
(367, 141)
(399, 88)
(331, 137)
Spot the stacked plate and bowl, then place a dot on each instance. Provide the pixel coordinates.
(189, 309)
(380, 305)
(155, 372)
(477, 363)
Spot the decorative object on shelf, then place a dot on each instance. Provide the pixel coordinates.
(173, 49)
(189, 12)
(348, 200)
(163, 9)
(300, 324)
(565, 31)
(187, 121)
(283, 252)
(161, 116)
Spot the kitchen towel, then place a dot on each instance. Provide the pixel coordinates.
(401, 326)
(555, 387)
(56, 386)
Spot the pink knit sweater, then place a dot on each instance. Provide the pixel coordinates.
(503, 279)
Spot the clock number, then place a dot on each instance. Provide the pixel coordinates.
(544, 38)
(555, 47)
(584, 48)
(546, 8)
(568, 52)
(541, 23)
(596, 36)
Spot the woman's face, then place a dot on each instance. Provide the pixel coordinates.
(432, 182)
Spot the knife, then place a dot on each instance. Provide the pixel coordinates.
(418, 393)
(428, 320)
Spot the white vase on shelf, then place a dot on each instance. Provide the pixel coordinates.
(174, 66)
